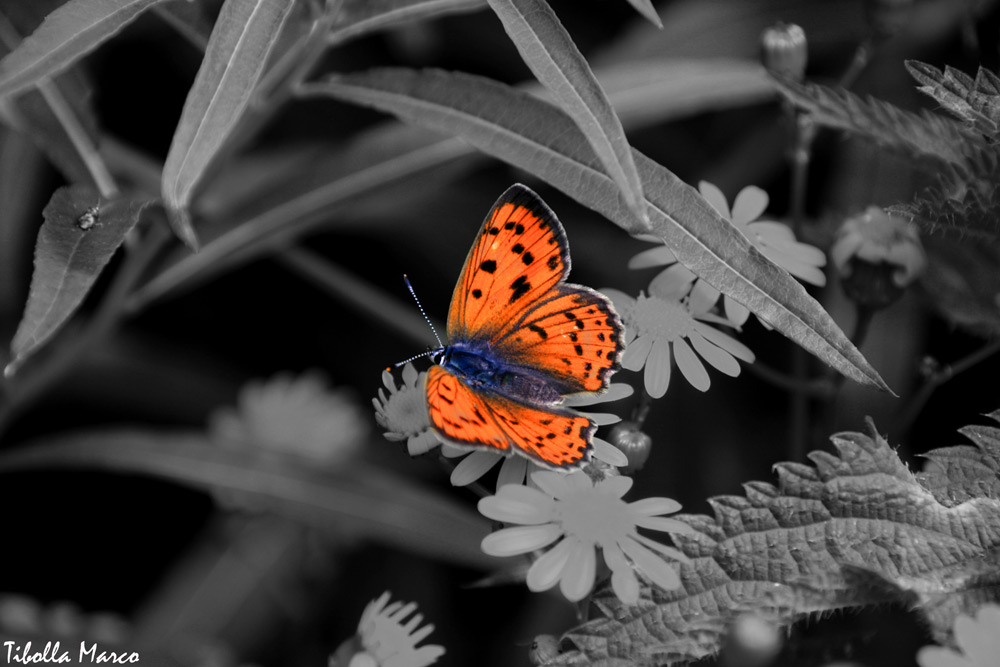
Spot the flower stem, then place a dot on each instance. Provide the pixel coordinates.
(800, 155)
(908, 412)
(862, 56)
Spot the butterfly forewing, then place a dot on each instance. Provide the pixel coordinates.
(520, 254)
(467, 417)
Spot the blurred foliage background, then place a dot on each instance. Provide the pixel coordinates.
(231, 582)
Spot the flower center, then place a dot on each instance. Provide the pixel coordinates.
(668, 320)
(594, 517)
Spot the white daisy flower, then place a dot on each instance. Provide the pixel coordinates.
(775, 240)
(660, 330)
(577, 515)
(403, 413)
(387, 639)
(517, 469)
(295, 415)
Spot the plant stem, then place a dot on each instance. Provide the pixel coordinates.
(62, 358)
(800, 157)
(862, 56)
(908, 413)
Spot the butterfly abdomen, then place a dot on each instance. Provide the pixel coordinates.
(480, 369)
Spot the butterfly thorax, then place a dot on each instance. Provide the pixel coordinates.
(481, 369)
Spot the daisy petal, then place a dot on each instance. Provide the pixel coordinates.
(727, 343)
(545, 572)
(654, 506)
(520, 539)
(715, 197)
(673, 282)
(616, 487)
(636, 352)
(423, 443)
(655, 568)
(605, 451)
(410, 375)
(664, 524)
(652, 257)
(473, 466)
(772, 232)
(736, 312)
(625, 585)
(721, 360)
(750, 204)
(578, 575)
(657, 376)
(939, 656)
(450, 451)
(703, 297)
(615, 392)
(690, 366)
(974, 642)
(513, 471)
(603, 418)
(553, 483)
(515, 503)
(653, 545)
(844, 248)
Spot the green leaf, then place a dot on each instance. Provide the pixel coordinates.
(962, 282)
(921, 135)
(80, 234)
(356, 18)
(855, 529)
(646, 8)
(66, 35)
(549, 51)
(364, 500)
(237, 51)
(536, 136)
(975, 101)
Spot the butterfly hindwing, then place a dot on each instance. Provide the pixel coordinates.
(470, 417)
(575, 335)
(520, 254)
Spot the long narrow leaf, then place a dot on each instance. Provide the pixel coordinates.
(242, 38)
(549, 51)
(66, 35)
(78, 237)
(360, 17)
(538, 137)
(299, 194)
(368, 501)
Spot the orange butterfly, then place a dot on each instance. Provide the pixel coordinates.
(520, 339)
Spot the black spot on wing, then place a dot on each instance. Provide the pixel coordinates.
(553, 262)
(517, 249)
(489, 266)
(519, 229)
(477, 294)
(579, 324)
(538, 330)
(494, 231)
(509, 225)
(527, 258)
(520, 286)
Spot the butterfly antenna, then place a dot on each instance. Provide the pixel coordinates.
(426, 319)
(414, 358)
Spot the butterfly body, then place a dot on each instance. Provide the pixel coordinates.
(520, 339)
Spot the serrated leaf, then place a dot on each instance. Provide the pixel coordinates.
(920, 135)
(237, 51)
(360, 17)
(364, 500)
(538, 137)
(80, 234)
(557, 63)
(854, 529)
(66, 35)
(962, 281)
(976, 101)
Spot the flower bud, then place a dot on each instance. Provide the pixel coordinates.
(877, 256)
(784, 50)
(887, 17)
(751, 642)
(629, 437)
